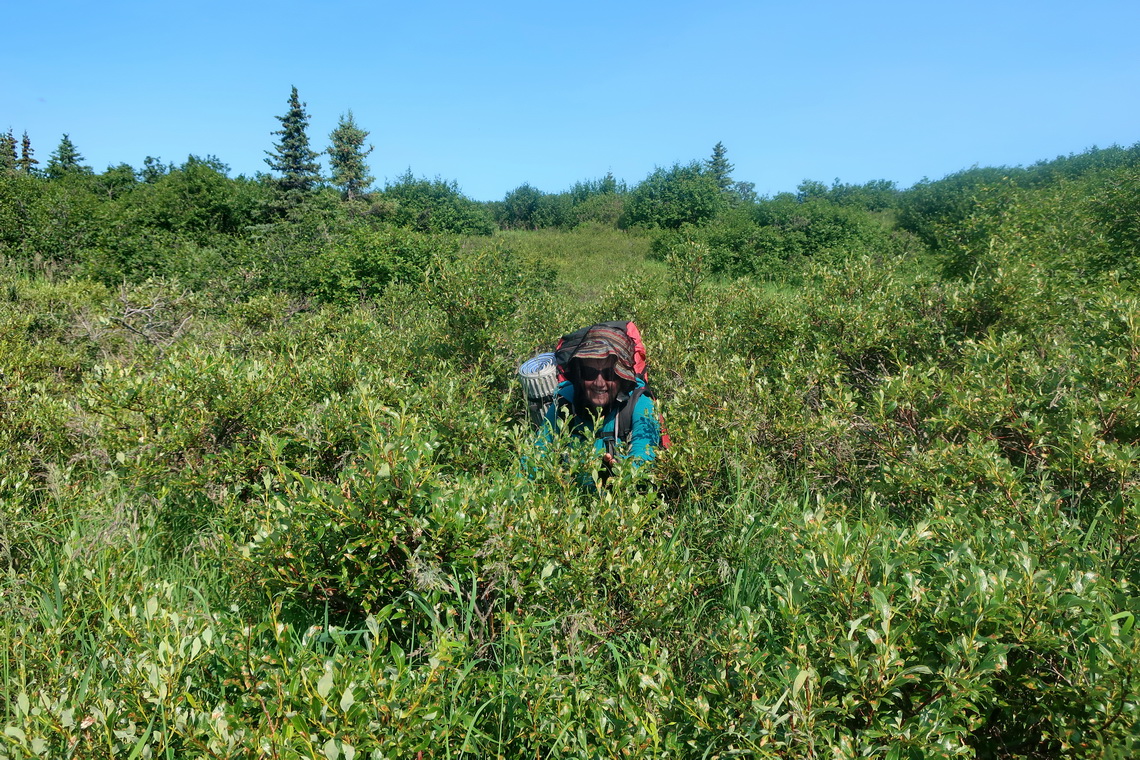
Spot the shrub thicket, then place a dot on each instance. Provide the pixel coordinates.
(670, 198)
(278, 507)
(431, 206)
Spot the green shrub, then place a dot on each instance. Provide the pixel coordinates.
(46, 226)
(777, 239)
(603, 210)
(431, 206)
(669, 198)
(197, 201)
(929, 207)
(476, 290)
(352, 544)
(364, 261)
(527, 208)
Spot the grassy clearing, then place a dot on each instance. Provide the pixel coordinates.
(588, 260)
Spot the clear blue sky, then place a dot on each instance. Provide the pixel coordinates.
(495, 94)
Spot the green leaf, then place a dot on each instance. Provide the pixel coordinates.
(324, 686)
(1127, 621)
(347, 699)
(798, 684)
(141, 743)
(881, 602)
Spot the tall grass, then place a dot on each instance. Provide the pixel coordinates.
(588, 260)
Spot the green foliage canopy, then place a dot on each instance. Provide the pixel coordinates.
(669, 198)
(431, 206)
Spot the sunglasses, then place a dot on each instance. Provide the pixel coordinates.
(588, 374)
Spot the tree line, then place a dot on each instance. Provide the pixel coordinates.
(167, 219)
(683, 193)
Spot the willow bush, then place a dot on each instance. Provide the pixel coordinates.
(899, 517)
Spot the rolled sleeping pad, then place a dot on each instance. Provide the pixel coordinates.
(539, 379)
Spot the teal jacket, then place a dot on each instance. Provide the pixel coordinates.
(640, 446)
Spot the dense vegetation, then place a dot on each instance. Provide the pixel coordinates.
(260, 491)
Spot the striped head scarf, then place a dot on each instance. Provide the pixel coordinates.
(602, 342)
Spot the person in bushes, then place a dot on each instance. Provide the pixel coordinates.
(603, 399)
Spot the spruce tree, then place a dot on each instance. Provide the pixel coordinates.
(346, 158)
(8, 158)
(65, 160)
(720, 168)
(27, 162)
(292, 156)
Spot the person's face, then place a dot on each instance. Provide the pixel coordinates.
(599, 380)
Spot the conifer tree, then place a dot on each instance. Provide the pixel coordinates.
(65, 160)
(292, 156)
(27, 162)
(346, 157)
(720, 168)
(8, 158)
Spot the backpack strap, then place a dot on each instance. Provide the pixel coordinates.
(623, 423)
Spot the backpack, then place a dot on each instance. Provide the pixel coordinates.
(568, 345)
